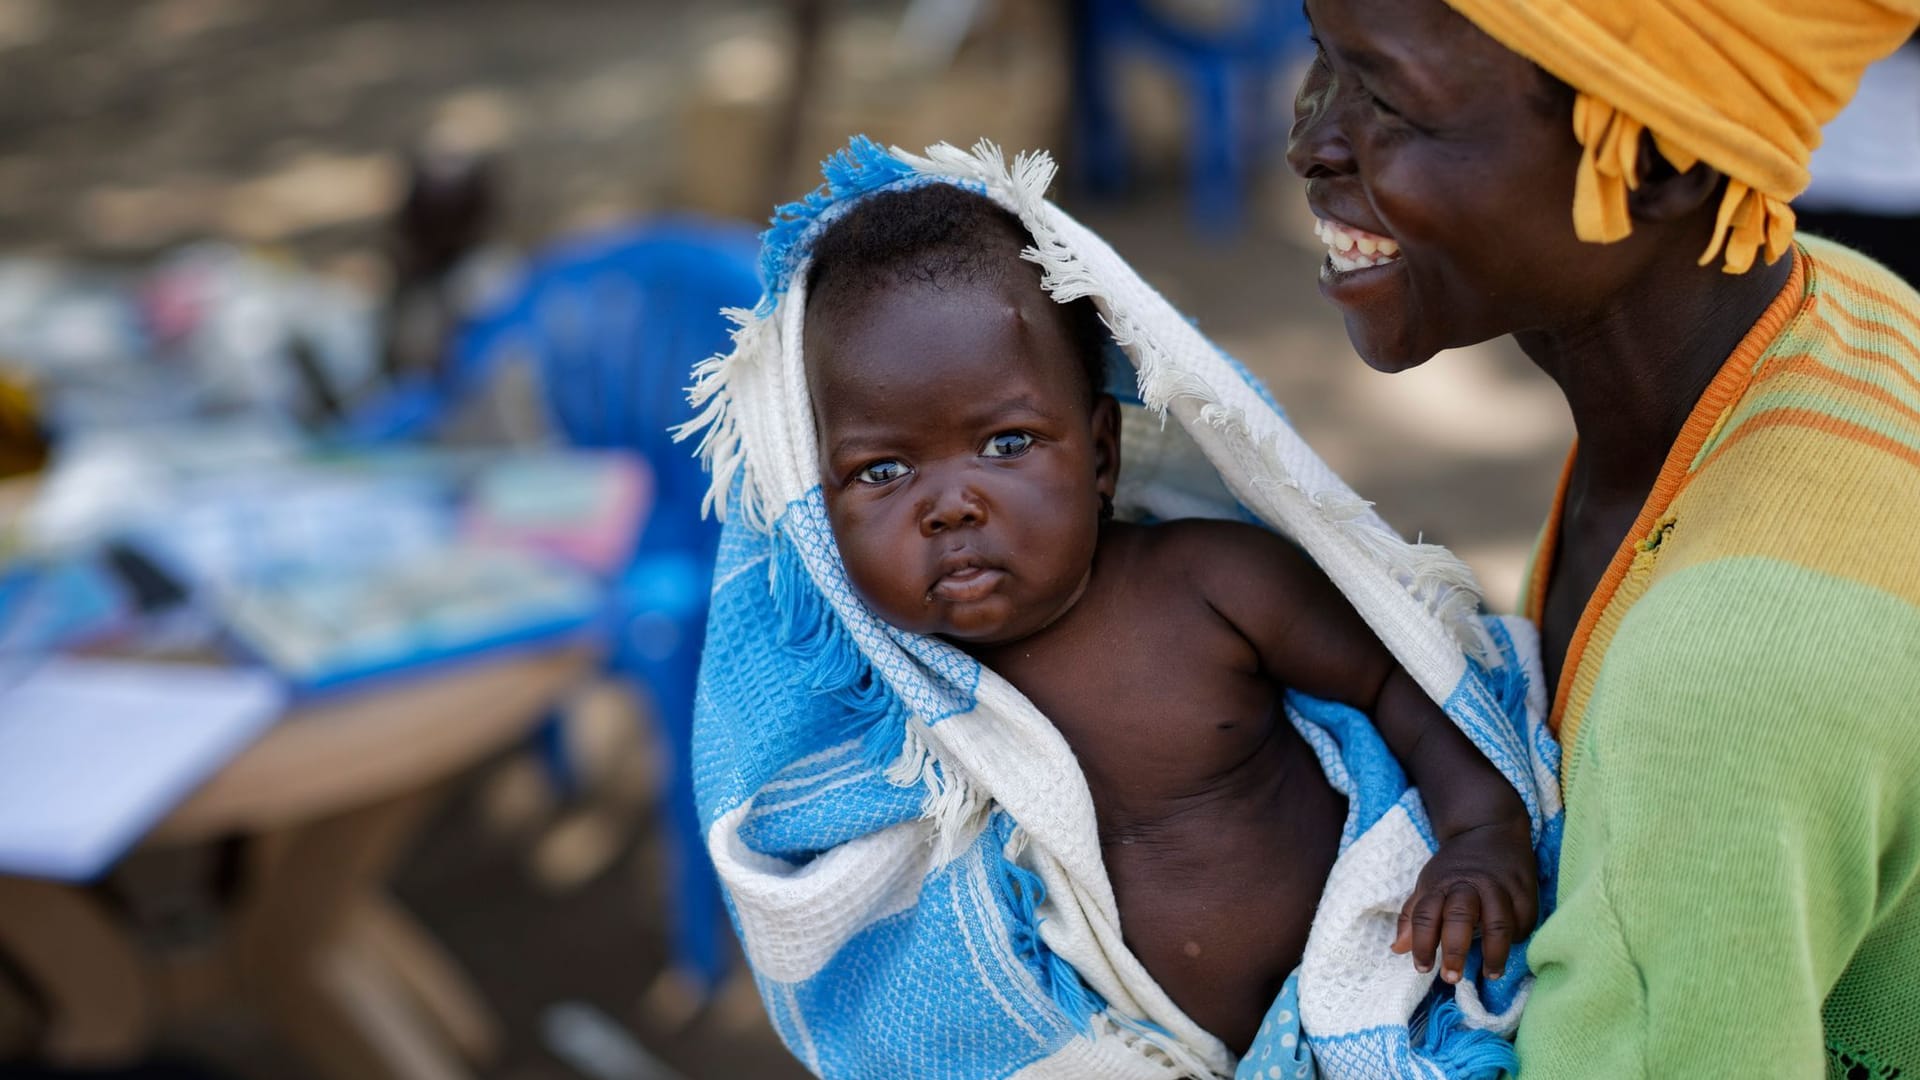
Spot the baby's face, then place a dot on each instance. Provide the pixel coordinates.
(962, 456)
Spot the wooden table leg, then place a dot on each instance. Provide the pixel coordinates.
(74, 953)
(346, 1011)
(358, 1021)
(382, 931)
(19, 1019)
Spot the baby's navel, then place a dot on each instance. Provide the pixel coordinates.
(1192, 949)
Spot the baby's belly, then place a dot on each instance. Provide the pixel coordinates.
(1216, 897)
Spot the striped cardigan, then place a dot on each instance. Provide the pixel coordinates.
(1740, 881)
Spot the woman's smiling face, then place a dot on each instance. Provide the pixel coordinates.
(1453, 159)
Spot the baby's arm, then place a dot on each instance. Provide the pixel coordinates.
(1308, 637)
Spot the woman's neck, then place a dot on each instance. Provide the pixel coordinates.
(1633, 372)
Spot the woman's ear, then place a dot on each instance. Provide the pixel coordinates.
(1105, 422)
(1667, 194)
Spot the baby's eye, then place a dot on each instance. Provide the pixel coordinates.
(881, 472)
(1008, 444)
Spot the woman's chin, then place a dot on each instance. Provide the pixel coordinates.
(1387, 353)
(1394, 365)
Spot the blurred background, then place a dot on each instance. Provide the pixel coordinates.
(350, 595)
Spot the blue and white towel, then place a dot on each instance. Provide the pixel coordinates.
(908, 846)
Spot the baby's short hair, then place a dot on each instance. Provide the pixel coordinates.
(932, 234)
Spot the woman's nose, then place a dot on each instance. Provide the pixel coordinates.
(955, 507)
(1316, 146)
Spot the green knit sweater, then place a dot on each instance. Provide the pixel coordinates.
(1739, 890)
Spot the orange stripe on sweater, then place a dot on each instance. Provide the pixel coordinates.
(1881, 360)
(1825, 423)
(1813, 367)
(1534, 604)
(1899, 307)
(1830, 315)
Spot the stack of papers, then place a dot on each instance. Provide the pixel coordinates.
(93, 753)
(322, 630)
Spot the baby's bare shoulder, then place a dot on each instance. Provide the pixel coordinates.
(1211, 552)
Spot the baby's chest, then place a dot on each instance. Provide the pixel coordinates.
(1156, 715)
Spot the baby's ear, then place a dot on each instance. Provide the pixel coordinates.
(1105, 422)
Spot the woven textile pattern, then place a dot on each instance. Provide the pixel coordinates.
(909, 848)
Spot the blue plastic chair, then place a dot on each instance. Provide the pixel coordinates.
(1228, 72)
(614, 323)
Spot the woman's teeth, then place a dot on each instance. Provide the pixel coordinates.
(1349, 248)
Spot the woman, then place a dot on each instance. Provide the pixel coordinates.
(1727, 584)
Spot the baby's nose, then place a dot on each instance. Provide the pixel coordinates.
(956, 507)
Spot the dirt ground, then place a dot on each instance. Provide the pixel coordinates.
(129, 126)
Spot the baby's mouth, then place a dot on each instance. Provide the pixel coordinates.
(1349, 248)
(965, 583)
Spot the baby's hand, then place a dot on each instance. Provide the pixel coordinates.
(1483, 877)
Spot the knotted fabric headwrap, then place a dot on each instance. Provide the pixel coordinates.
(1743, 85)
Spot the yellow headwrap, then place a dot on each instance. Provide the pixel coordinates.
(1743, 85)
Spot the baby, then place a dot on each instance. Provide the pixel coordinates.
(969, 457)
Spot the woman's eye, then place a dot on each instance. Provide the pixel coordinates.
(1008, 444)
(881, 472)
(1379, 103)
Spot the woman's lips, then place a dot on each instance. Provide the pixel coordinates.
(966, 584)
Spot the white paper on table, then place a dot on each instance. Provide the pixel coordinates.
(93, 753)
